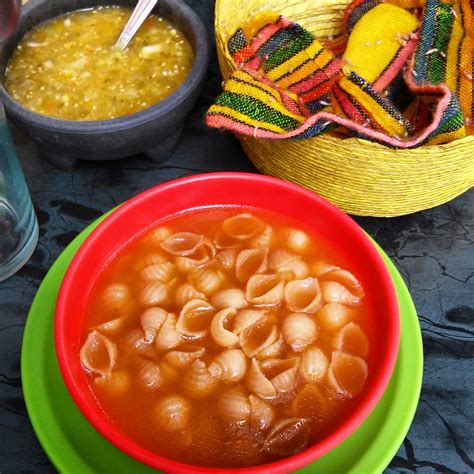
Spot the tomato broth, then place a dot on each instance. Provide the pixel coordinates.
(227, 338)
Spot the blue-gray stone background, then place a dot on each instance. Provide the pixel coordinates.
(434, 251)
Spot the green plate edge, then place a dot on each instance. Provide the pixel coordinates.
(73, 446)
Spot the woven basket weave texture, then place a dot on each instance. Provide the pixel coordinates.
(358, 176)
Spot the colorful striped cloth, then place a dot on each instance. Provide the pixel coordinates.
(397, 83)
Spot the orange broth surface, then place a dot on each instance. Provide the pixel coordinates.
(206, 438)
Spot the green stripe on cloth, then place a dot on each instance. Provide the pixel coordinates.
(300, 42)
(256, 109)
(236, 42)
(453, 123)
(265, 105)
(442, 35)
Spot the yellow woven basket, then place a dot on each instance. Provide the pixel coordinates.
(359, 176)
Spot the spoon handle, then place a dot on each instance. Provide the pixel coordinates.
(139, 15)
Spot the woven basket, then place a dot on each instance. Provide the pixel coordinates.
(360, 177)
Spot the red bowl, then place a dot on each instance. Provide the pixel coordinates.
(215, 189)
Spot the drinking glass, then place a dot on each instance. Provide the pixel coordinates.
(18, 224)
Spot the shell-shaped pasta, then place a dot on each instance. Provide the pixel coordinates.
(229, 298)
(262, 414)
(294, 270)
(352, 339)
(264, 239)
(219, 324)
(153, 294)
(258, 383)
(288, 264)
(243, 226)
(280, 258)
(148, 260)
(169, 373)
(198, 381)
(201, 257)
(314, 365)
(135, 343)
(223, 241)
(229, 366)
(195, 318)
(347, 279)
(186, 264)
(258, 337)
(206, 280)
(98, 354)
(303, 295)
(163, 272)
(168, 336)
(299, 331)
(183, 356)
(208, 247)
(116, 296)
(158, 235)
(172, 413)
(116, 383)
(296, 240)
(283, 373)
(289, 436)
(347, 374)
(182, 243)
(265, 290)
(187, 292)
(245, 318)
(234, 406)
(334, 292)
(172, 285)
(333, 316)
(151, 321)
(225, 259)
(250, 262)
(320, 268)
(311, 402)
(113, 326)
(149, 375)
(272, 351)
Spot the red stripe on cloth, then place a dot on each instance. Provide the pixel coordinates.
(313, 94)
(347, 105)
(254, 64)
(294, 107)
(389, 75)
(348, 11)
(221, 121)
(321, 75)
(243, 55)
(266, 33)
(441, 89)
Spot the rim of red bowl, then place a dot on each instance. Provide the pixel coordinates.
(291, 463)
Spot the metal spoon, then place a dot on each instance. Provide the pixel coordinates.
(139, 15)
(9, 14)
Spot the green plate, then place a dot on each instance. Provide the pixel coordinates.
(73, 446)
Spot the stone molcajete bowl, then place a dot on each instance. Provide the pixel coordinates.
(154, 131)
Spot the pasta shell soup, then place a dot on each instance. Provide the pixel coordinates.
(227, 338)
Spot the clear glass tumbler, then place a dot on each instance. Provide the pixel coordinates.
(18, 224)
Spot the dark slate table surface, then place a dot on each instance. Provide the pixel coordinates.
(434, 251)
